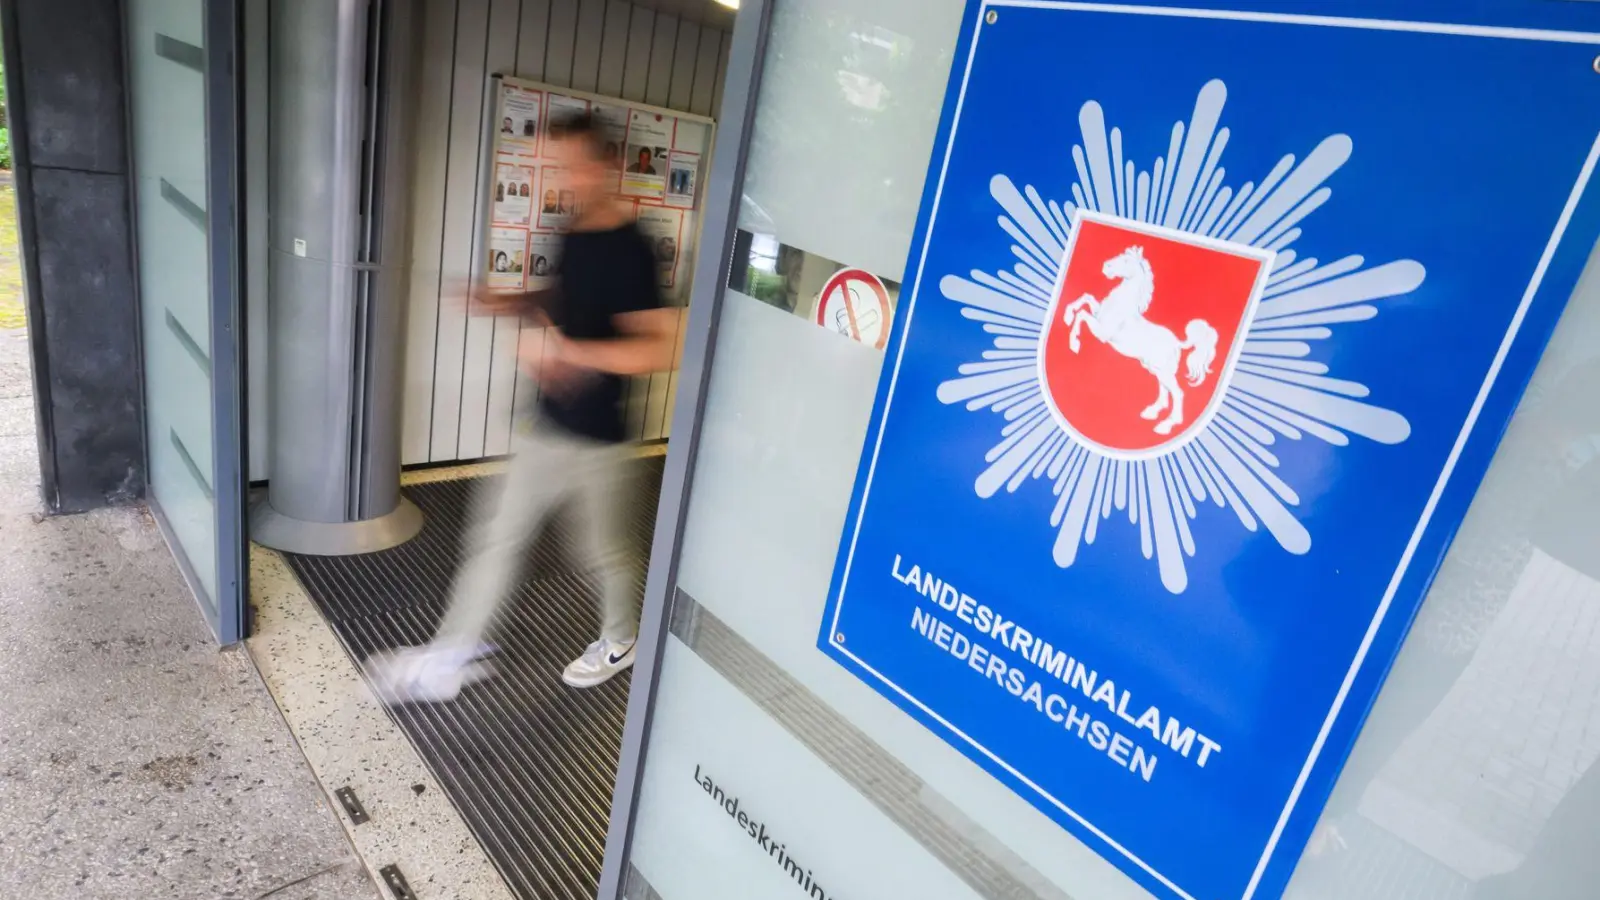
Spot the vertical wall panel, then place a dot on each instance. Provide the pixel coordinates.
(462, 386)
(659, 87)
(614, 48)
(532, 55)
(586, 48)
(477, 361)
(641, 36)
(433, 85)
(533, 41)
(658, 92)
(680, 95)
(503, 384)
(722, 74)
(461, 208)
(706, 65)
(685, 56)
(561, 42)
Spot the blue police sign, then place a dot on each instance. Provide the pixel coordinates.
(1212, 321)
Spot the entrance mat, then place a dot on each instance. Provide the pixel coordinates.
(529, 762)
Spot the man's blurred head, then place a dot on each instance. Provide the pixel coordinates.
(580, 149)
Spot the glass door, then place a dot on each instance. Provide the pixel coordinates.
(180, 57)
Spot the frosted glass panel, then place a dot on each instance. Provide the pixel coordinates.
(1475, 778)
(844, 130)
(166, 68)
(1475, 775)
(850, 100)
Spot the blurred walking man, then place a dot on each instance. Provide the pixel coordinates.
(604, 322)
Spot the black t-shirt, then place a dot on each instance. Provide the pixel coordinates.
(603, 274)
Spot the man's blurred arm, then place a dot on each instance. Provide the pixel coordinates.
(482, 301)
(649, 343)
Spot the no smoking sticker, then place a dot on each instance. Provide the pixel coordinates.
(855, 303)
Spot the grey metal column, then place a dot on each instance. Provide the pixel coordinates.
(340, 76)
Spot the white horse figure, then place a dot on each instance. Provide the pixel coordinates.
(1119, 320)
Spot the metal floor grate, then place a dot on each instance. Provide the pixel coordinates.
(529, 762)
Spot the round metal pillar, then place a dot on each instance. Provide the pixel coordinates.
(340, 111)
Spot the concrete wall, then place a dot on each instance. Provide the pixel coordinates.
(64, 76)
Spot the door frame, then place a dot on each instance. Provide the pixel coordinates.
(225, 263)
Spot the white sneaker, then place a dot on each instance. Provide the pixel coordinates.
(603, 659)
(424, 674)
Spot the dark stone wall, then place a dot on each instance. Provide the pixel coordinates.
(65, 86)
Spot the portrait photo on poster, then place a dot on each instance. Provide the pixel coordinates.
(647, 155)
(518, 133)
(683, 175)
(508, 249)
(561, 107)
(613, 122)
(663, 230)
(513, 194)
(557, 201)
(544, 260)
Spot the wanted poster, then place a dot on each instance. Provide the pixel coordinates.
(647, 155)
(557, 202)
(513, 194)
(683, 175)
(613, 123)
(562, 107)
(519, 121)
(544, 261)
(663, 231)
(507, 252)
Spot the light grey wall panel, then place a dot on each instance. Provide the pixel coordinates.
(478, 356)
(561, 43)
(534, 39)
(462, 386)
(636, 72)
(707, 69)
(460, 221)
(722, 71)
(680, 94)
(614, 48)
(658, 89)
(586, 48)
(434, 84)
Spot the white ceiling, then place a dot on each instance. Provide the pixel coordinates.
(706, 12)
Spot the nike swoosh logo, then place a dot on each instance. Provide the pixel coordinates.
(613, 658)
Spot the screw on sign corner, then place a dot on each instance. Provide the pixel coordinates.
(1597, 64)
(994, 17)
(838, 638)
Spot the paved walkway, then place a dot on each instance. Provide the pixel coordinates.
(136, 759)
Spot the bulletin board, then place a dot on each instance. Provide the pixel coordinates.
(660, 156)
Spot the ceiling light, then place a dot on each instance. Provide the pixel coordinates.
(731, 4)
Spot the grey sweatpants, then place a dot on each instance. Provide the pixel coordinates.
(549, 467)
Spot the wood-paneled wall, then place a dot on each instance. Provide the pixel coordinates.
(461, 385)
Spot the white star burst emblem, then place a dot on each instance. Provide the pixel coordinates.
(1278, 391)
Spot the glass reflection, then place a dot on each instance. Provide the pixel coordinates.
(1475, 776)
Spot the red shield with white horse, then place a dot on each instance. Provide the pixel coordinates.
(1144, 331)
